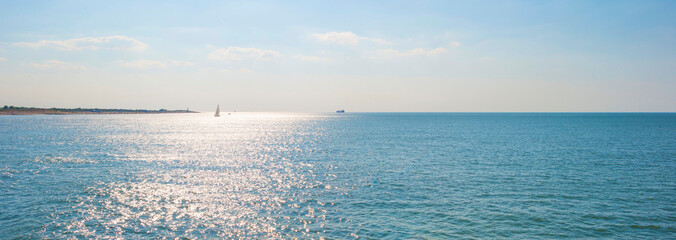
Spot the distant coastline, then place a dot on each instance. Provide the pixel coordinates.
(11, 110)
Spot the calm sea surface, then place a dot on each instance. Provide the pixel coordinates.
(339, 176)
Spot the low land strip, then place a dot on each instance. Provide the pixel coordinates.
(67, 111)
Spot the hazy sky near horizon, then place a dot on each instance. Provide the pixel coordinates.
(319, 56)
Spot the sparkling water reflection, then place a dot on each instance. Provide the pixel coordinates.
(289, 175)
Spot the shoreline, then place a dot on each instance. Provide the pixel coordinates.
(66, 111)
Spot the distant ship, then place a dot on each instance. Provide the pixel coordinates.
(340, 111)
(218, 111)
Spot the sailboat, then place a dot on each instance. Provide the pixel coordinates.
(218, 111)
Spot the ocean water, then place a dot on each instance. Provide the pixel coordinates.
(339, 176)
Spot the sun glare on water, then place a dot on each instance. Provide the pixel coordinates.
(196, 175)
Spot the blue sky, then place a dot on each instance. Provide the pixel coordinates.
(318, 56)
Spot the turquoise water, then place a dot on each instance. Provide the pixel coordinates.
(339, 176)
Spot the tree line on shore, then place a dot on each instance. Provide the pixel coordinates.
(86, 109)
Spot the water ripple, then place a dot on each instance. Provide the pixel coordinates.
(338, 176)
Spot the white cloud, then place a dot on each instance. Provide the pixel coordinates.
(312, 58)
(59, 65)
(146, 64)
(88, 43)
(233, 70)
(239, 53)
(455, 44)
(345, 38)
(143, 63)
(378, 41)
(180, 63)
(2, 59)
(413, 52)
(341, 38)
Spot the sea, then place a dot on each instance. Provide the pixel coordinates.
(339, 176)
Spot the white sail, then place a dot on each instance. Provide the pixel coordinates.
(218, 111)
